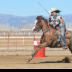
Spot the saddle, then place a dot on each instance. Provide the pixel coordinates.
(67, 33)
(58, 34)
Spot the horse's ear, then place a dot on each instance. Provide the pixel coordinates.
(41, 17)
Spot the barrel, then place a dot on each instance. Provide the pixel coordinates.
(41, 52)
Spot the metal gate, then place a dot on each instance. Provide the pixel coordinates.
(17, 39)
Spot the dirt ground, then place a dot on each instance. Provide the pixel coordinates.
(16, 60)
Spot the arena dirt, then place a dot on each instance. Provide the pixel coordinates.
(16, 60)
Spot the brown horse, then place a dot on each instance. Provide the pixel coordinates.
(48, 38)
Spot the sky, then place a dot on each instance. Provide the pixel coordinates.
(31, 7)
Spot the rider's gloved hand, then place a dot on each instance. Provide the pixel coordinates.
(49, 18)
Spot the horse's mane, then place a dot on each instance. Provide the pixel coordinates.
(43, 19)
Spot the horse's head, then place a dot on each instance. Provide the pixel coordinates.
(38, 25)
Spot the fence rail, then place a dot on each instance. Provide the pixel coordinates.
(18, 39)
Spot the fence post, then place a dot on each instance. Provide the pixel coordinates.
(34, 36)
(8, 42)
(16, 41)
(27, 41)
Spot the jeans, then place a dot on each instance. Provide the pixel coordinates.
(63, 29)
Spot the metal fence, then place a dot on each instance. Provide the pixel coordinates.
(18, 39)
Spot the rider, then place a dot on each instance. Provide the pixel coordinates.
(57, 22)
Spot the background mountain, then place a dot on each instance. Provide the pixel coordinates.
(16, 21)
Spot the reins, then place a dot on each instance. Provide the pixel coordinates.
(46, 30)
(43, 31)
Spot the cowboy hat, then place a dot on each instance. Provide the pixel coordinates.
(54, 9)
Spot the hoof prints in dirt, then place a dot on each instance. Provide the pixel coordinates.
(52, 62)
(47, 62)
(65, 60)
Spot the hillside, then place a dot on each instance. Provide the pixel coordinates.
(16, 20)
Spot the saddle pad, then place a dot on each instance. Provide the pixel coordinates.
(68, 35)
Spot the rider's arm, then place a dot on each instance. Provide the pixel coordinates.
(50, 20)
(49, 23)
(58, 20)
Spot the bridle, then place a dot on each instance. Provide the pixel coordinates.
(41, 28)
(46, 30)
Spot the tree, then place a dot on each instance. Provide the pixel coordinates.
(6, 26)
(25, 26)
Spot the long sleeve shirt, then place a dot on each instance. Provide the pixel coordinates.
(56, 20)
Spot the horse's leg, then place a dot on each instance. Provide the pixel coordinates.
(36, 50)
(70, 47)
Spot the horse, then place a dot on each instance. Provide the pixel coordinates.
(48, 38)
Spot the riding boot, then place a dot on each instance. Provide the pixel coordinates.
(65, 47)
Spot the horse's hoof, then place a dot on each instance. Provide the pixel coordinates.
(28, 60)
